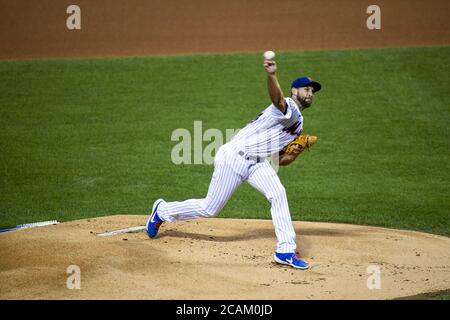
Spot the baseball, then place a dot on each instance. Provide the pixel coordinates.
(269, 55)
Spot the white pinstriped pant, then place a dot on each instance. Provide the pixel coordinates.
(230, 170)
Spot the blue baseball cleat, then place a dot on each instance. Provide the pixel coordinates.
(154, 222)
(290, 259)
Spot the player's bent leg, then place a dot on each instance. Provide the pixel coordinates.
(224, 182)
(184, 210)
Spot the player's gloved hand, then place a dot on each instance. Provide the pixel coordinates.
(300, 144)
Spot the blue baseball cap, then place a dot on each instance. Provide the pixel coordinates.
(305, 82)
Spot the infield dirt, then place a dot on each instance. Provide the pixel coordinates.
(37, 29)
(218, 259)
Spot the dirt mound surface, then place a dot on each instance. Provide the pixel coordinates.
(218, 259)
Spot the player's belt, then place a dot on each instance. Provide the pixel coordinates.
(250, 157)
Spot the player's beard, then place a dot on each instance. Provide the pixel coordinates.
(305, 102)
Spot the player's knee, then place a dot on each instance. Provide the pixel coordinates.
(278, 194)
(211, 211)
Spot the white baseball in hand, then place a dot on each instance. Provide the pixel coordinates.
(269, 55)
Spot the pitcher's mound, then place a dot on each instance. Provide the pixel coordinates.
(218, 259)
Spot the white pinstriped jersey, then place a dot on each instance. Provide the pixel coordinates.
(267, 134)
(271, 131)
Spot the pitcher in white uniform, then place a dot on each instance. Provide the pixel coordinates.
(244, 159)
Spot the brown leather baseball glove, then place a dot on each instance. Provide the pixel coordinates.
(303, 142)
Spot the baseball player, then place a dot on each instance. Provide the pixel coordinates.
(244, 159)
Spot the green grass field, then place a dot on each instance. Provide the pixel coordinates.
(91, 137)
